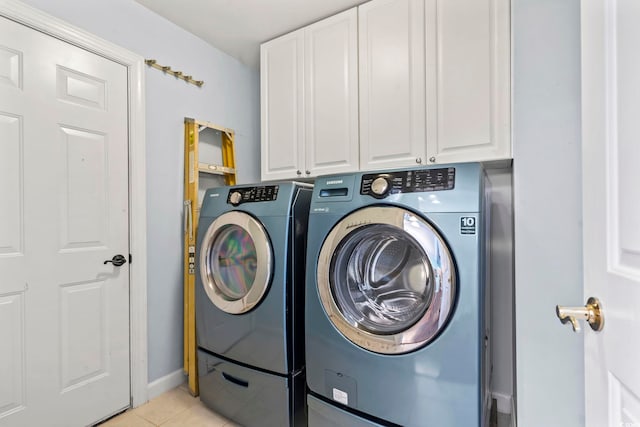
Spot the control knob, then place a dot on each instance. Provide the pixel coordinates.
(235, 198)
(380, 186)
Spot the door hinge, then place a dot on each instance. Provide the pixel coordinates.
(130, 258)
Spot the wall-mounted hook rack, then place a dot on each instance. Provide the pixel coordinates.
(167, 70)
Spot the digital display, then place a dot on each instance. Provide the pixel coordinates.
(420, 180)
(265, 193)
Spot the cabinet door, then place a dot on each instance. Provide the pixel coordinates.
(331, 95)
(281, 102)
(469, 116)
(392, 83)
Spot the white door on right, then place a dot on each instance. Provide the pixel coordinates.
(611, 208)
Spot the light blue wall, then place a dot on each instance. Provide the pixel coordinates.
(548, 210)
(230, 98)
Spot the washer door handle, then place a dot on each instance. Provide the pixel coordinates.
(117, 260)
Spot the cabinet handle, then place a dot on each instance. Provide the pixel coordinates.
(298, 172)
(307, 172)
(432, 159)
(418, 160)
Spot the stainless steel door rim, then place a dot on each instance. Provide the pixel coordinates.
(386, 279)
(236, 262)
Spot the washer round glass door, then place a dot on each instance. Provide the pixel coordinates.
(386, 279)
(235, 262)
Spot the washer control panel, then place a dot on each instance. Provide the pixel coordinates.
(266, 193)
(379, 185)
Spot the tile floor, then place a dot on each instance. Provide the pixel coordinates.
(177, 408)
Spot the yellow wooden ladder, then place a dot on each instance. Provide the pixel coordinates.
(192, 168)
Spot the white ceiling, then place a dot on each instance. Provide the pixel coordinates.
(237, 27)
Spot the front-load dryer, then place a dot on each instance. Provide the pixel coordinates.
(395, 303)
(249, 302)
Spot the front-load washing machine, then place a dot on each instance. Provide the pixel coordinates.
(396, 319)
(249, 302)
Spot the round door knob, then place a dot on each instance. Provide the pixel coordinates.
(307, 172)
(298, 172)
(432, 159)
(380, 186)
(235, 198)
(418, 160)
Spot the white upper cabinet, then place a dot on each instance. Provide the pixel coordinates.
(468, 88)
(392, 83)
(331, 95)
(309, 97)
(434, 82)
(281, 98)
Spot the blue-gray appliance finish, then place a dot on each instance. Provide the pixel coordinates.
(249, 302)
(395, 307)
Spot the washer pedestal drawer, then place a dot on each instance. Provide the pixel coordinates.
(249, 397)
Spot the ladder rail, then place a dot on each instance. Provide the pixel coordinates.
(193, 167)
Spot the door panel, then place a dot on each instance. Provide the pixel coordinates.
(464, 73)
(331, 94)
(623, 404)
(10, 67)
(81, 89)
(392, 83)
(82, 193)
(83, 334)
(11, 189)
(281, 89)
(12, 353)
(64, 211)
(611, 207)
(470, 81)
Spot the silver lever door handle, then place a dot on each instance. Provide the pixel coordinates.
(591, 312)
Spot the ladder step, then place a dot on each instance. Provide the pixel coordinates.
(215, 169)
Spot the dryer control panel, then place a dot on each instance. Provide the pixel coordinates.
(266, 193)
(380, 185)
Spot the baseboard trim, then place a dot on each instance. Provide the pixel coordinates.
(166, 383)
(504, 402)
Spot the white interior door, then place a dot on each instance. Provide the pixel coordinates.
(64, 315)
(611, 208)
